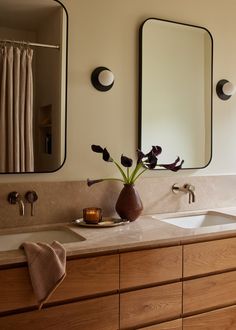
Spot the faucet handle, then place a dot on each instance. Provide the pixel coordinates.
(31, 197)
(188, 187)
(13, 198)
(175, 188)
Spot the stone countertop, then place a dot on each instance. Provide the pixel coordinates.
(145, 232)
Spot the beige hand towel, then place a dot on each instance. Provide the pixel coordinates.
(47, 268)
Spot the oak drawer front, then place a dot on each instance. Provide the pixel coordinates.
(154, 304)
(89, 276)
(208, 257)
(85, 277)
(222, 319)
(16, 289)
(209, 292)
(150, 266)
(92, 314)
(172, 325)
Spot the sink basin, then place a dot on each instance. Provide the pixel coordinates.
(13, 240)
(200, 220)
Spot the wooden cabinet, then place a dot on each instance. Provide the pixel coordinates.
(172, 325)
(92, 314)
(150, 305)
(209, 292)
(222, 319)
(85, 277)
(209, 285)
(150, 266)
(155, 289)
(209, 257)
(139, 269)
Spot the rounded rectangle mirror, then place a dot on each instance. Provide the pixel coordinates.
(33, 85)
(176, 91)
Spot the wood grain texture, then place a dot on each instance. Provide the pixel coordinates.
(172, 325)
(85, 277)
(92, 314)
(150, 266)
(222, 319)
(208, 257)
(16, 290)
(89, 276)
(150, 305)
(209, 292)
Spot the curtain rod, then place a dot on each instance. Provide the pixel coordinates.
(31, 44)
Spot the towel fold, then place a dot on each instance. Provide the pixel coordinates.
(47, 268)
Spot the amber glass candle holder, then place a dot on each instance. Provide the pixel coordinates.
(92, 215)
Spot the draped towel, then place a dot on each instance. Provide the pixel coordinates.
(47, 268)
(16, 109)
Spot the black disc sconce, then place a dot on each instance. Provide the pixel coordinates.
(102, 79)
(225, 89)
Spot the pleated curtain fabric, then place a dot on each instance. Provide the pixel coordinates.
(16, 110)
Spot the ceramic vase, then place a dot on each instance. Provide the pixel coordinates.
(129, 205)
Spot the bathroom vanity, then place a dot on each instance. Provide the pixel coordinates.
(186, 280)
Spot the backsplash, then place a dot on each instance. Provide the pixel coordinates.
(64, 201)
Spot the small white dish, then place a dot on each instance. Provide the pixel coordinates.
(106, 222)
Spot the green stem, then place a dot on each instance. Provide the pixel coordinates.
(128, 174)
(135, 171)
(134, 179)
(121, 171)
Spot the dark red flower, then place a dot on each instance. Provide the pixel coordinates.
(141, 155)
(125, 161)
(106, 156)
(97, 148)
(151, 162)
(91, 182)
(156, 150)
(173, 166)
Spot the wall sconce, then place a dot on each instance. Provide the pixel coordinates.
(225, 89)
(102, 79)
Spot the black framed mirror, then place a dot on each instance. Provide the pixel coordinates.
(175, 96)
(33, 85)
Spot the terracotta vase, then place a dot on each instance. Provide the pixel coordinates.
(129, 205)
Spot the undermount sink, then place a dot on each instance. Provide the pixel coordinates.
(200, 220)
(13, 240)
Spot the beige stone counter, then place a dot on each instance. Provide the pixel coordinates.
(145, 232)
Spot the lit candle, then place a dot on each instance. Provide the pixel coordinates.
(92, 214)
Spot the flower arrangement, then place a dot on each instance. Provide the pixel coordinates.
(144, 162)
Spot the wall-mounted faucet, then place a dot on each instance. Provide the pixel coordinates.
(31, 197)
(15, 198)
(186, 188)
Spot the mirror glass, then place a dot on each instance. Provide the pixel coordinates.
(176, 91)
(33, 74)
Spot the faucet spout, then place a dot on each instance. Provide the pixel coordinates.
(186, 188)
(21, 206)
(190, 189)
(15, 198)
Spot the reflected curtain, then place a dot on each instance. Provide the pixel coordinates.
(16, 109)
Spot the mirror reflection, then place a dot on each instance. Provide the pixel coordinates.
(176, 91)
(33, 62)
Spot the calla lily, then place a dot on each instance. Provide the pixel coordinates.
(157, 150)
(144, 162)
(125, 161)
(106, 156)
(173, 167)
(152, 161)
(91, 182)
(97, 148)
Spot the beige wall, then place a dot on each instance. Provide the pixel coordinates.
(105, 32)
